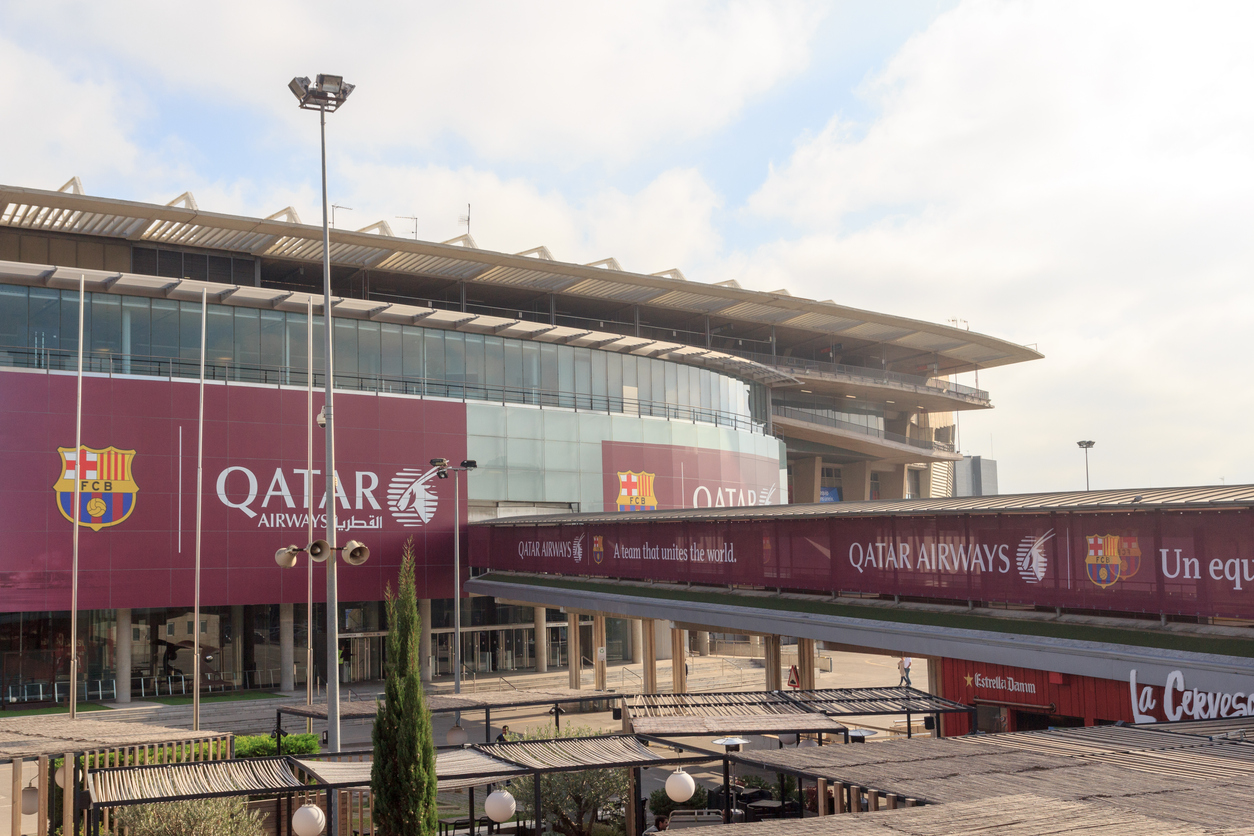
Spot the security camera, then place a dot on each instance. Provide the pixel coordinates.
(322, 418)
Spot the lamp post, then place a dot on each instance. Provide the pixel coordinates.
(1086, 446)
(328, 93)
(443, 469)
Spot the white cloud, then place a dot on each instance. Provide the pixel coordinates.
(561, 82)
(1075, 175)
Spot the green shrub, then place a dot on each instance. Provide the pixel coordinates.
(660, 803)
(262, 745)
(203, 817)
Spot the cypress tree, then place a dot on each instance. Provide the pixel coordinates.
(402, 777)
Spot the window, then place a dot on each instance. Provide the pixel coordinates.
(134, 634)
(875, 486)
(169, 628)
(913, 484)
(191, 625)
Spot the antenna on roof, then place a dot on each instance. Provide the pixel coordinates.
(465, 219)
(413, 218)
(335, 206)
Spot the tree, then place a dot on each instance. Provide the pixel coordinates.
(402, 777)
(202, 817)
(572, 800)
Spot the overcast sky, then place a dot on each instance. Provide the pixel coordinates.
(1076, 176)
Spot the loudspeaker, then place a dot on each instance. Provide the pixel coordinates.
(286, 556)
(319, 550)
(929, 722)
(355, 553)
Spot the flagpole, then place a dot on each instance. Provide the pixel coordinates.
(309, 474)
(200, 477)
(79, 472)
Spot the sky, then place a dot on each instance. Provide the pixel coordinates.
(1073, 176)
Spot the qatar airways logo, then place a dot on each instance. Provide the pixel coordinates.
(410, 497)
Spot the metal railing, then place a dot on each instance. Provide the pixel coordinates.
(170, 368)
(938, 385)
(874, 432)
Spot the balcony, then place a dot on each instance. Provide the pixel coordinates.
(816, 427)
(860, 375)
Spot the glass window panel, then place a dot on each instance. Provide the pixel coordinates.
(369, 359)
(320, 345)
(724, 393)
(219, 338)
(274, 358)
(69, 323)
(297, 348)
(455, 362)
(390, 350)
(532, 370)
(705, 389)
(433, 347)
(45, 319)
(411, 349)
(565, 375)
(548, 369)
(475, 374)
(136, 334)
(169, 264)
(583, 375)
(13, 316)
(106, 320)
(514, 378)
(494, 365)
(614, 380)
(165, 328)
(344, 344)
(657, 369)
(672, 383)
(681, 384)
(644, 374)
(247, 343)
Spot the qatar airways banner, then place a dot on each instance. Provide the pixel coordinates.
(1183, 563)
(653, 477)
(137, 509)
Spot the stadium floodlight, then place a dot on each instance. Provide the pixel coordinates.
(327, 93)
(330, 83)
(299, 87)
(1086, 446)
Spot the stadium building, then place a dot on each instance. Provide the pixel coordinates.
(575, 388)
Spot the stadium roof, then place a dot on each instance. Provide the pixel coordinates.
(282, 236)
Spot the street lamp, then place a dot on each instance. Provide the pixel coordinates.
(443, 469)
(1086, 446)
(327, 93)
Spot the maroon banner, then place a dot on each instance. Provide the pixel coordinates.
(659, 477)
(138, 511)
(1183, 563)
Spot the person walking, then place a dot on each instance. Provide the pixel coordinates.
(903, 668)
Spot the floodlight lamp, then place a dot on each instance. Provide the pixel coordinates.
(470, 464)
(1085, 445)
(442, 473)
(299, 87)
(345, 89)
(439, 462)
(330, 83)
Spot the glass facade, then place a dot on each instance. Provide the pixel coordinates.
(161, 337)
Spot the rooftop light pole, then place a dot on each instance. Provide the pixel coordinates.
(327, 93)
(1086, 446)
(457, 734)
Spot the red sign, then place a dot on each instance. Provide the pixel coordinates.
(138, 511)
(1177, 562)
(648, 477)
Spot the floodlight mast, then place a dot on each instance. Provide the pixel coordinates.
(327, 93)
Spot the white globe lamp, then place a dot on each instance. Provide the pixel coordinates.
(457, 736)
(788, 739)
(500, 806)
(61, 773)
(30, 801)
(680, 786)
(809, 741)
(309, 821)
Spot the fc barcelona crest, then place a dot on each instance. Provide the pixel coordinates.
(635, 491)
(106, 486)
(1112, 558)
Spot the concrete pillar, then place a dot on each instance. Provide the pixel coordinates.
(574, 653)
(237, 644)
(703, 642)
(424, 639)
(542, 639)
(662, 638)
(805, 663)
(893, 483)
(807, 476)
(599, 651)
(650, 655)
(287, 648)
(679, 661)
(855, 481)
(637, 641)
(123, 649)
(773, 663)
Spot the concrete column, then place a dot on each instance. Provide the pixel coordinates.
(542, 639)
(679, 661)
(807, 476)
(773, 663)
(637, 641)
(649, 650)
(573, 651)
(424, 639)
(122, 647)
(805, 663)
(599, 651)
(287, 648)
(703, 643)
(662, 638)
(237, 644)
(855, 481)
(893, 483)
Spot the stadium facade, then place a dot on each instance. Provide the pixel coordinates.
(574, 387)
